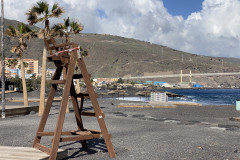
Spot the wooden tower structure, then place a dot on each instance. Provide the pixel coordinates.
(65, 56)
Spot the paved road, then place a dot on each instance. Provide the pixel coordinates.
(186, 133)
(184, 75)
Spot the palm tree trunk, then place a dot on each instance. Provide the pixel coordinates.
(78, 86)
(25, 96)
(44, 69)
(43, 82)
(1, 68)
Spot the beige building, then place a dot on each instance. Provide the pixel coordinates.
(32, 65)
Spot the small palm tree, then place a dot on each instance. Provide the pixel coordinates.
(23, 33)
(67, 28)
(41, 12)
(11, 63)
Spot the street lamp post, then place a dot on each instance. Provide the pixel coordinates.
(3, 62)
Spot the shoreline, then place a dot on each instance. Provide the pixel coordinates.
(198, 88)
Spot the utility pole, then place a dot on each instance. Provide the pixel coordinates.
(3, 62)
(181, 76)
(190, 76)
(162, 51)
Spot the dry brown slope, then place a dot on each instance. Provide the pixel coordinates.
(113, 56)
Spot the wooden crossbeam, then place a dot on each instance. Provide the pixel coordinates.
(57, 81)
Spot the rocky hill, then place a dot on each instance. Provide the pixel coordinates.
(114, 56)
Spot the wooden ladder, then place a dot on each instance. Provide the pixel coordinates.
(65, 61)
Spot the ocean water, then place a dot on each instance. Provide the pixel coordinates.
(202, 96)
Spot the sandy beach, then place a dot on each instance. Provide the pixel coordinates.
(184, 132)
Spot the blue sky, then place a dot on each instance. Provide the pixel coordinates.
(183, 7)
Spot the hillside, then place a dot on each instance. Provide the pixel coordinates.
(113, 56)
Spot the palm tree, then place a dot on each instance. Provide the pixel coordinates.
(41, 12)
(23, 33)
(11, 63)
(66, 28)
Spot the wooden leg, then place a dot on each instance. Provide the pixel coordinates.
(63, 106)
(48, 105)
(96, 108)
(67, 109)
(64, 77)
(77, 112)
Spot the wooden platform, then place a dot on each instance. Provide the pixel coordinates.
(8, 92)
(158, 104)
(26, 153)
(234, 119)
(12, 110)
(146, 105)
(32, 100)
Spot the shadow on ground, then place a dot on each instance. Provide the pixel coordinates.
(94, 146)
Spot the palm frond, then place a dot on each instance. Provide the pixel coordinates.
(38, 9)
(12, 62)
(25, 64)
(85, 53)
(23, 46)
(33, 34)
(13, 49)
(57, 12)
(57, 27)
(21, 39)
(76, 27)
(18, 50)
(28, 29)
(57, 30)
(21, 28)
(42, 19)
(66, 23)
(55, 6)
(42, 7)
(11, 31)
(32, 17)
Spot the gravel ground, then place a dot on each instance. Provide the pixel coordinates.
(184, 132)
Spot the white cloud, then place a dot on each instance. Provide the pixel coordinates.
(212, 31)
